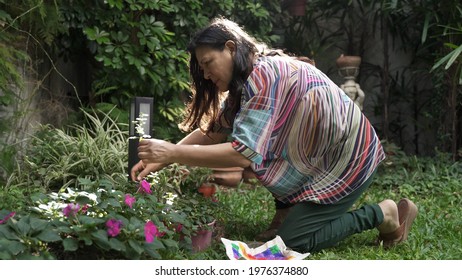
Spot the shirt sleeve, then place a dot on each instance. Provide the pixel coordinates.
(253, 125)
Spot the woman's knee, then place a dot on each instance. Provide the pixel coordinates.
(301, 244)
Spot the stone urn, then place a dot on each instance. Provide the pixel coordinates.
(348, 66)
(348, 61)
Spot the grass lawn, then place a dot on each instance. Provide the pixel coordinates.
(436, 233)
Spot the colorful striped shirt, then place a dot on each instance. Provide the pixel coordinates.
(306, 138)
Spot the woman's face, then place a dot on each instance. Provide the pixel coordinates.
(217, 65)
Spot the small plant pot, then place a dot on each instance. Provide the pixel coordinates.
(207, 190)
(202, 238)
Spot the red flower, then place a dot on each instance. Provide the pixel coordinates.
(179, 227)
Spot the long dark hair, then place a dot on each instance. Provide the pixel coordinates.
(204, 107)
(203, 111)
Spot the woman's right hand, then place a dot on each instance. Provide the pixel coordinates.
(141, 170)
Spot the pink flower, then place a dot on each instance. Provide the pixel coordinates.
(113, 227)
(145, 187)
(71, 209)
(179, 227)
(150, 231)
(84, 209)
(4, 220)
(129, 200)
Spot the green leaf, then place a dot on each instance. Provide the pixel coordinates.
(37, 197)
(38, 224)
(135, 246)
(440, 62)
(117, 244)
(135, 222)
(23, 225)
(87, 220)
(114, 202)
(64, 229)
(394, 4)
(455, 54)
(87, 240)
(176, 217)
(16, 247)
(3, 254)
(85, 181)
(425, 27)
(460, 77)
(82, 200)
(101, 237)
(48, 236)
(90, 32)
(115, 3)
(6, 232)
(70, 244)
(157, 244)
(169, 243)
(105, 183)
(151, 250)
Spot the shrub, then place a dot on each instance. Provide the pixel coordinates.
(80, 204)
(106, 223)
(56, 158)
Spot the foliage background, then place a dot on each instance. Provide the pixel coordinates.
(99, 54)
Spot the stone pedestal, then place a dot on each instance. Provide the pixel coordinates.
(348, 68)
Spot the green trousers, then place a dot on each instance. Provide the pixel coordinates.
(310, 227)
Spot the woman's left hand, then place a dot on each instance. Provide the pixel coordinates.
(155, 151)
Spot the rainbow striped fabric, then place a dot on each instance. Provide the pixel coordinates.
(272, 250)
(306, 138)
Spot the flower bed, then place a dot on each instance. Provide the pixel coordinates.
(149, 220)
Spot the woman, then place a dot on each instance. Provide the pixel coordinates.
(304, 139)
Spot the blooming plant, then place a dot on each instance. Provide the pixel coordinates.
(129, 200)
(185, 182)
(139, 126)
(150, 231)
(113, 227)
(5, 219)
(111, 224)
(103, 217)
(71, 209)
(25, 236)
(145, 187)
(149, 220)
